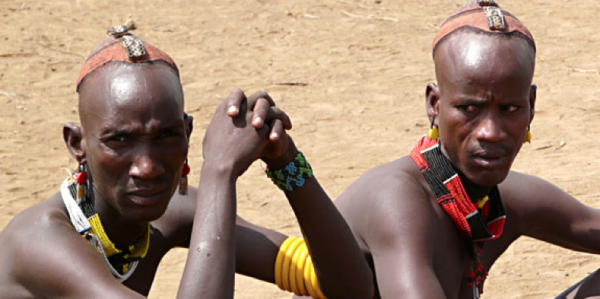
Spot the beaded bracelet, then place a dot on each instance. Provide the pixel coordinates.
(292, 175)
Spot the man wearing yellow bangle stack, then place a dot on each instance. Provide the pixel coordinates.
(433, 223)
(127, 204)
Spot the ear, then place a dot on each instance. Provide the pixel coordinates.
(189, 124)
(432, 99)
(73, 136)
(532, 97)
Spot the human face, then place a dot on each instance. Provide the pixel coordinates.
(135, 138)
(484, 104)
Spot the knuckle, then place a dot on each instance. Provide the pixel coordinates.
(262, 94)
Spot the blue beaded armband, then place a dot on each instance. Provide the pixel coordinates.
(295, 174)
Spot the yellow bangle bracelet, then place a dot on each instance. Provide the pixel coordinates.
(287, 262)
(279, 261)
(294, 268)
(315, 284)
(300, 272)
(307, 283)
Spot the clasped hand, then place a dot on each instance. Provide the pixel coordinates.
(244, 129)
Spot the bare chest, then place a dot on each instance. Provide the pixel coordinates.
(453, 261)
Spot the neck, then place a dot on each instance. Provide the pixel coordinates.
(475, 192)
(121, 231)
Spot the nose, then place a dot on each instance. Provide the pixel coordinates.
(145, 167)
(490, 129)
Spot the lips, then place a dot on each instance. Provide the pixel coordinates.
(147, 196)
(490, 159)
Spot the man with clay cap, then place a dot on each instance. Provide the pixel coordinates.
(433, 222)
(127, 204)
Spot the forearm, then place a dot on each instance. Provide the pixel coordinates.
(342, 269)
(210, 266)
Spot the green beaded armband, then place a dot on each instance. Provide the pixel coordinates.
(295, 174)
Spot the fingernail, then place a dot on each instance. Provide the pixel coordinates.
(257, 120)
(232, 109)
(274, 136)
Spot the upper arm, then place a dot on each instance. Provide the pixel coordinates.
(256, 247)
(400, 228)
(548, 213)
(256, 250)
(52, 261)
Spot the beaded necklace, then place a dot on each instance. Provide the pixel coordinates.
(479, 222)
(121, 261)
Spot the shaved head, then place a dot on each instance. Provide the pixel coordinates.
(471, 53)
(116, 84)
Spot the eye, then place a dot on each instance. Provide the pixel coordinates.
(511, 108)
(167, 134)
(468, 108)
(118, 138)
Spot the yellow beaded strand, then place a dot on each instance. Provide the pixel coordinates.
(136, 251)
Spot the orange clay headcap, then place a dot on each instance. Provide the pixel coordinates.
(484, 15)
(125, 47)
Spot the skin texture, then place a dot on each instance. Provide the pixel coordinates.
(134, 160)
(134, 138)
(341, 274)
(483, 105)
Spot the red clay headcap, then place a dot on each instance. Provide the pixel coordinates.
(484, 15)
(125, 47)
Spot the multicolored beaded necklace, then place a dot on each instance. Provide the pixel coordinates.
(121, 261)
(479, 222)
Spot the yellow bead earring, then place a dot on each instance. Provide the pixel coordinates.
(528, 136)
(434, 132)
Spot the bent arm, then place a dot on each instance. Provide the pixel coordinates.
(210, 266)
(339, 263)
(547, 213)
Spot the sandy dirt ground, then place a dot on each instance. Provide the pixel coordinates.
(352, 75)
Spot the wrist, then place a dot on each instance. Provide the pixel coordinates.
(288, 156)
(292, 175)
(219, 171)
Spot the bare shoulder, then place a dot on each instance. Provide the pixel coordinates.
(519, 182)
(34, 221)
(383, 180)
(532, 202)
(386, 196)
(43, 256)
(27, 242)
(520, 190)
